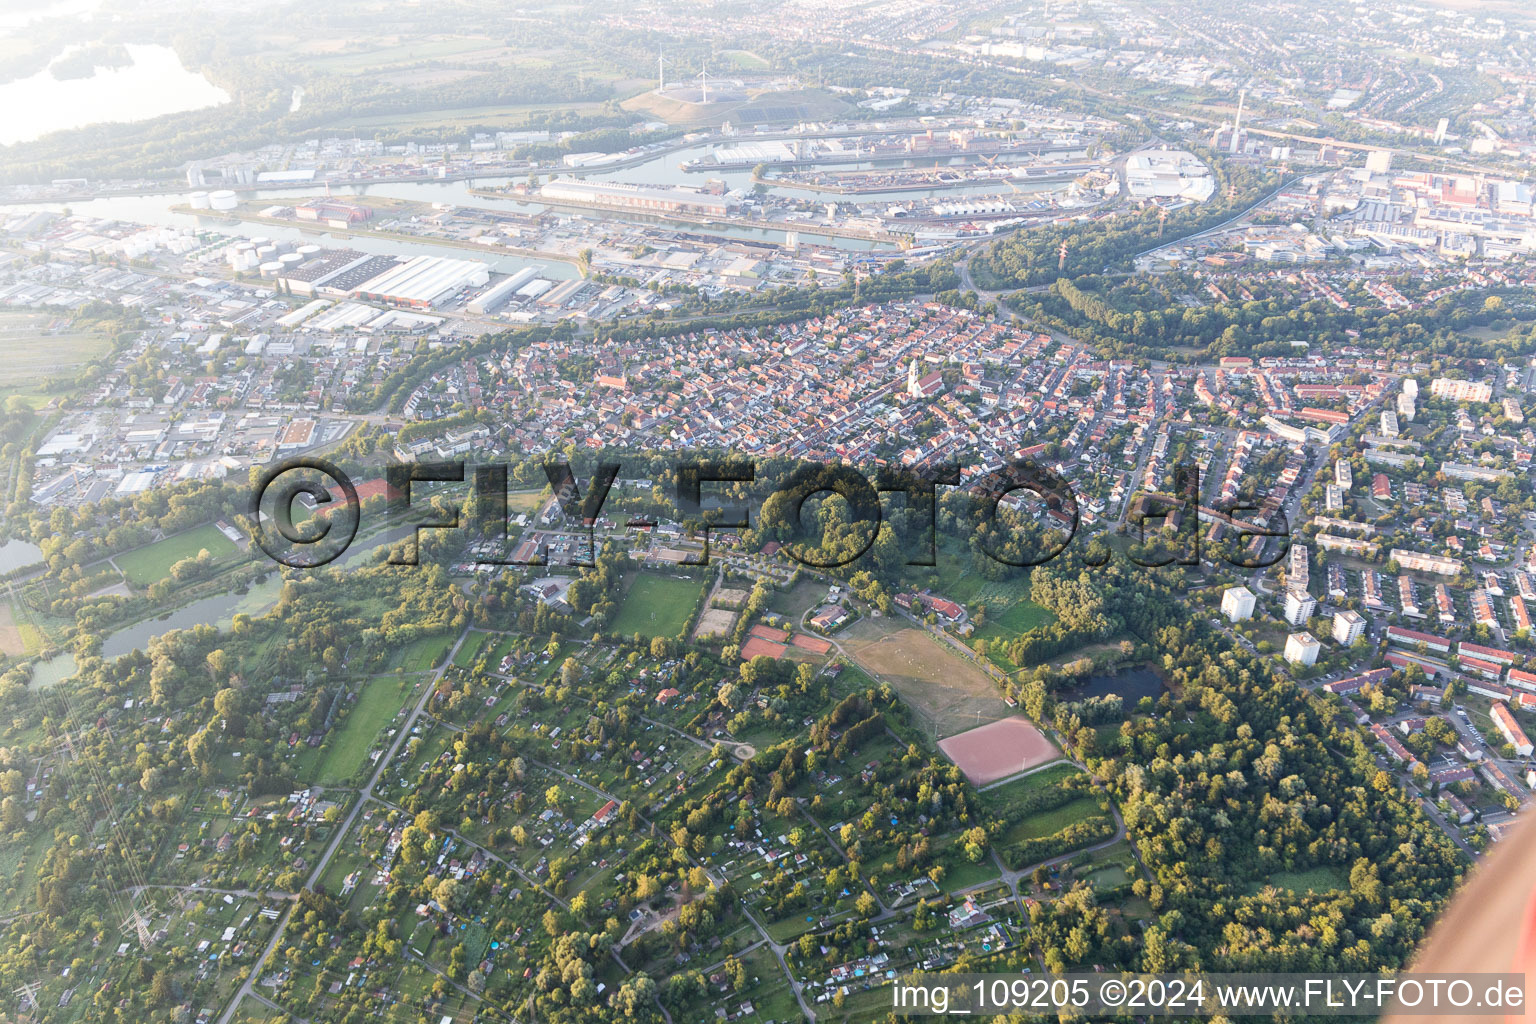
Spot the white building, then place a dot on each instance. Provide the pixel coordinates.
(1299, 606)
(1237, 604)
(1460, 390)
(1348, 626)
(1301, 649)
(1342, 474)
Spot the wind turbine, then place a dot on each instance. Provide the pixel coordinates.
(661, 72)
(704, 77)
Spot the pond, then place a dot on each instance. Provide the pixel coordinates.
(1130, 684)
(217, 611)
(19, 554)
(53, 671)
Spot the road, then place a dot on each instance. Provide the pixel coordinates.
(364, 795)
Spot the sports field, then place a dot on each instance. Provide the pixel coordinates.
(715, 622)
(999, 749)
(152, 562)
(657, 605)
(947, 692)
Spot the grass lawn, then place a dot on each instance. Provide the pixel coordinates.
(153, 562)
(347, 745)
(657, 605)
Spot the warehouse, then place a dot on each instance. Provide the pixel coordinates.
(424, 281)
(498, 293)
(638, 198)
(320, 269)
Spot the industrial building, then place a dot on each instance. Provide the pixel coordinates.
(636, 198)
(500, 292)
(333, 211)
(424, 281)
(321, 268)
(1168, 174)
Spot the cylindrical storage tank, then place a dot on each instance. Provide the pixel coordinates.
(199, 200)
(271, 269)
(308, 250)
(290, 259)
(223, 199)
(260, 240)
(248, 261)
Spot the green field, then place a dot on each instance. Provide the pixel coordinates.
(526, 501)
(1314, 880)
(38, 346)
(344, 749)
(470, 649)
(1048, 823)
(421, 655)
(657, 605)
(510, 116)
(1015, 619)
(146, 565)
(1009, 793)
(370, 59)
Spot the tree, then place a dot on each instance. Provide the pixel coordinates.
(636, 996)
(735, 973)
(161, 991)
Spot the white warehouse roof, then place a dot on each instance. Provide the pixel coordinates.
(425, 280)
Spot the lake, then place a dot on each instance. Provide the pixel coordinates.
(1131, 684)
(154, 84)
